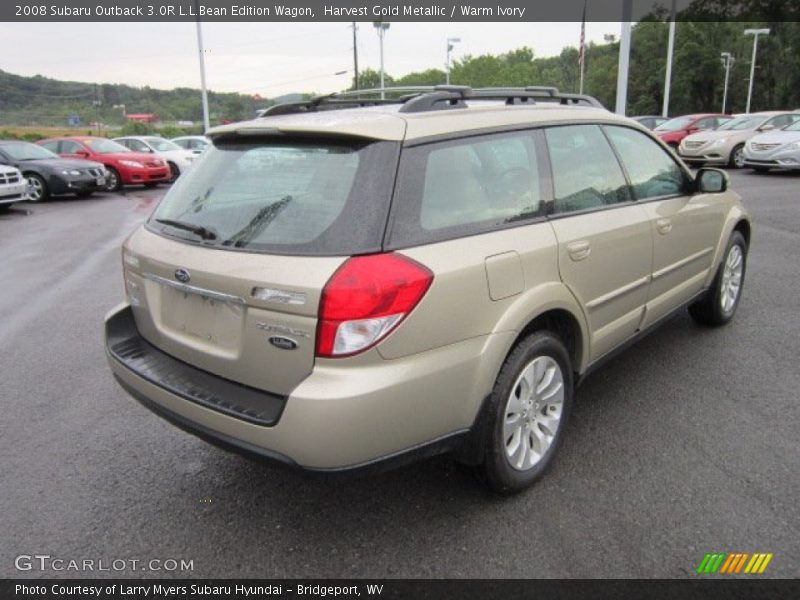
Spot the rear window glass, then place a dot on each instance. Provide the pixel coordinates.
(283, 197)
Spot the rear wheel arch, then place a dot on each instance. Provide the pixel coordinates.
(565, 325)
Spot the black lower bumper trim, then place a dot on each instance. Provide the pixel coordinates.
(129, 348)
(454, 441)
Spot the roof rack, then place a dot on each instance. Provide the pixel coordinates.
(427, 98)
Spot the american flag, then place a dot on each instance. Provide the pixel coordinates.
(582, 49)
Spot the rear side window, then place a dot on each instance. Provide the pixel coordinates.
(652, 171)
(52, 146)
(465, 186)
(283, 197)
(586, 173)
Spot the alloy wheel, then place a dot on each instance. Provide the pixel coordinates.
(731, 283)
(533, 412)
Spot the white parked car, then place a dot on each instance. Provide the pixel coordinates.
(178, 159)
(776, 149)
(195, 143)
(13, 186)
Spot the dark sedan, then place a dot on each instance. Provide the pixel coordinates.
(49, 174)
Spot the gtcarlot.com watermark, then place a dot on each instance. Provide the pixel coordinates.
(57, 564)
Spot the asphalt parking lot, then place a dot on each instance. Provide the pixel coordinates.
(685, 444)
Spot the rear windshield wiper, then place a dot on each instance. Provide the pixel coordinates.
(204, 232)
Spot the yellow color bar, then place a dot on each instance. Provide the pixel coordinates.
(764, 564)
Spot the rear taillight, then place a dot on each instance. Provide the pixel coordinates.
(367, 298)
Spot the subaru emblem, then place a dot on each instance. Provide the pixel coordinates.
(182, 275)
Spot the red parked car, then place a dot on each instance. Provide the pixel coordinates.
(123, 166)
(674, 130)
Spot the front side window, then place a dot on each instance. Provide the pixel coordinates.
(103, 146)
(161, 145)
(586, 173)
(782, 121)
(282, 197)
(651, 170)
(69, 147)
(675, 124)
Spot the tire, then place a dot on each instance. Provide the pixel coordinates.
(85, 194)
(508, 467)
(175, 172)
(736, 159)
(113, 180)
(37, 186)
(761, 169)
(717, 306)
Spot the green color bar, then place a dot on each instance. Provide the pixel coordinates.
(714, 565)
(702, 566)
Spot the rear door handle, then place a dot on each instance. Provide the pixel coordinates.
(579, 250)
(664, 226)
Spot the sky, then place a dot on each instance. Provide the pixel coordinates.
(269, 59)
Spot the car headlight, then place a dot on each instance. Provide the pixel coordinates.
(70, 172)
(135, 164)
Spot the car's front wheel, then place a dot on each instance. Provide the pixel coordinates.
(37, 188)
(174, 172)
(113, 180)
(736, 159)
(719, 303)
(528, 410)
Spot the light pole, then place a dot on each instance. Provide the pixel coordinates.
(755, 33)
(624, 57)
(670, 51)
(727, 61)
(200, 51)
(381, 27)
(450, 42)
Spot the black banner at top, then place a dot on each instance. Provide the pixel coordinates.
(396, 10)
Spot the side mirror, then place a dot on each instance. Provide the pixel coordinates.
(693, 129)
(711, 181)
(766, 127)
(82, 153)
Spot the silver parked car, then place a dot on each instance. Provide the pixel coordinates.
(780, 149)
(725, 145)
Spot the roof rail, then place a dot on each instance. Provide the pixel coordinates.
(426, 98)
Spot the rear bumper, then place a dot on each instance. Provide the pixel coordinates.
(361, 417)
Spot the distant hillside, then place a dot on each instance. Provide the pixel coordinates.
(40, 101)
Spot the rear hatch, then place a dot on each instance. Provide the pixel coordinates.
(227, 273)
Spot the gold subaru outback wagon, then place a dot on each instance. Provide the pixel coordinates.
(351, 282)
